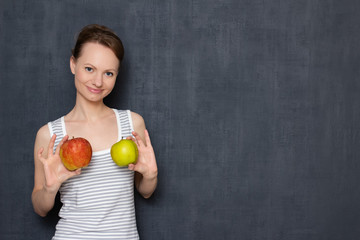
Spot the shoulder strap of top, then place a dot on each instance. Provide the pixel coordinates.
(56, 127)
(125, 122)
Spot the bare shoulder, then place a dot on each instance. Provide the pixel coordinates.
(42, 136)
(138, 124)
(138, 121)
(43, 133)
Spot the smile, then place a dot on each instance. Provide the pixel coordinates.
(94, 90)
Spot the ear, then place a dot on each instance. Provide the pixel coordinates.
(72, 64)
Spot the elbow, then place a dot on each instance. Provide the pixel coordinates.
(41, 214)
(37, 210)
(146, 196)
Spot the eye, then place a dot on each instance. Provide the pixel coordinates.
(88, 69)
(109, 74)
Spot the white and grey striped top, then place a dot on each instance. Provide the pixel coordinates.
(98, 203)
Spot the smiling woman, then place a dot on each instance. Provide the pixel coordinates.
(95, 71)
(98, 200)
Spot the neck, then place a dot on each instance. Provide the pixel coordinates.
(88, 111)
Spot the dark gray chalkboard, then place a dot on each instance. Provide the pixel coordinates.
(253, 108)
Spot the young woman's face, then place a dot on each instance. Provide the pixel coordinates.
(95, 71)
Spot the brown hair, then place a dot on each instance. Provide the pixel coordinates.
(99, 34)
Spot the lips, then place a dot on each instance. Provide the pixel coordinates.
(94, 90)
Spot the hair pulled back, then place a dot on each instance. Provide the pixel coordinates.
(99, 34)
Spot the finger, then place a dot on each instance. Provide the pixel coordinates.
(51, 145)
(147, 138)
(138, 139)
(41, 150)
(131, 138)
(60, 144)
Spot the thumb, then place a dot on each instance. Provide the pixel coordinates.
(131, 167)
(72, 174)
(76, 172)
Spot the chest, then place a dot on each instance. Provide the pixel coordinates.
(101, 135)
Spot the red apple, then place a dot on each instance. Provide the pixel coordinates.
(75, 153)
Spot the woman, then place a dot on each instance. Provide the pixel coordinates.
(98, 200)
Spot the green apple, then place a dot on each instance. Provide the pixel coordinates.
(124, 152)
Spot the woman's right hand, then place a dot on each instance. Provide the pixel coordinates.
(54, 170)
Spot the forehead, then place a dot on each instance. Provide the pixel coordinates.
(98, 55)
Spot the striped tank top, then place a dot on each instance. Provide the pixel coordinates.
(98, 203)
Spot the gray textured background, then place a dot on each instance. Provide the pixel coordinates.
(253, 107)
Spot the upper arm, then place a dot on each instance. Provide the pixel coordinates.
(41, 141)
(139, 125)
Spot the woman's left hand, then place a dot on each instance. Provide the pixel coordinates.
(146, 162)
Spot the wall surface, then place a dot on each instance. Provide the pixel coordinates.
(253, 109)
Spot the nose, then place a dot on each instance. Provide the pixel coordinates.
(98, 80)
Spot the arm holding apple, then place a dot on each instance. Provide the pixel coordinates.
(145, 168)
(50, 173)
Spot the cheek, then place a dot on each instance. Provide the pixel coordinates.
(109, 87)
(110, 84)
(81, 76)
